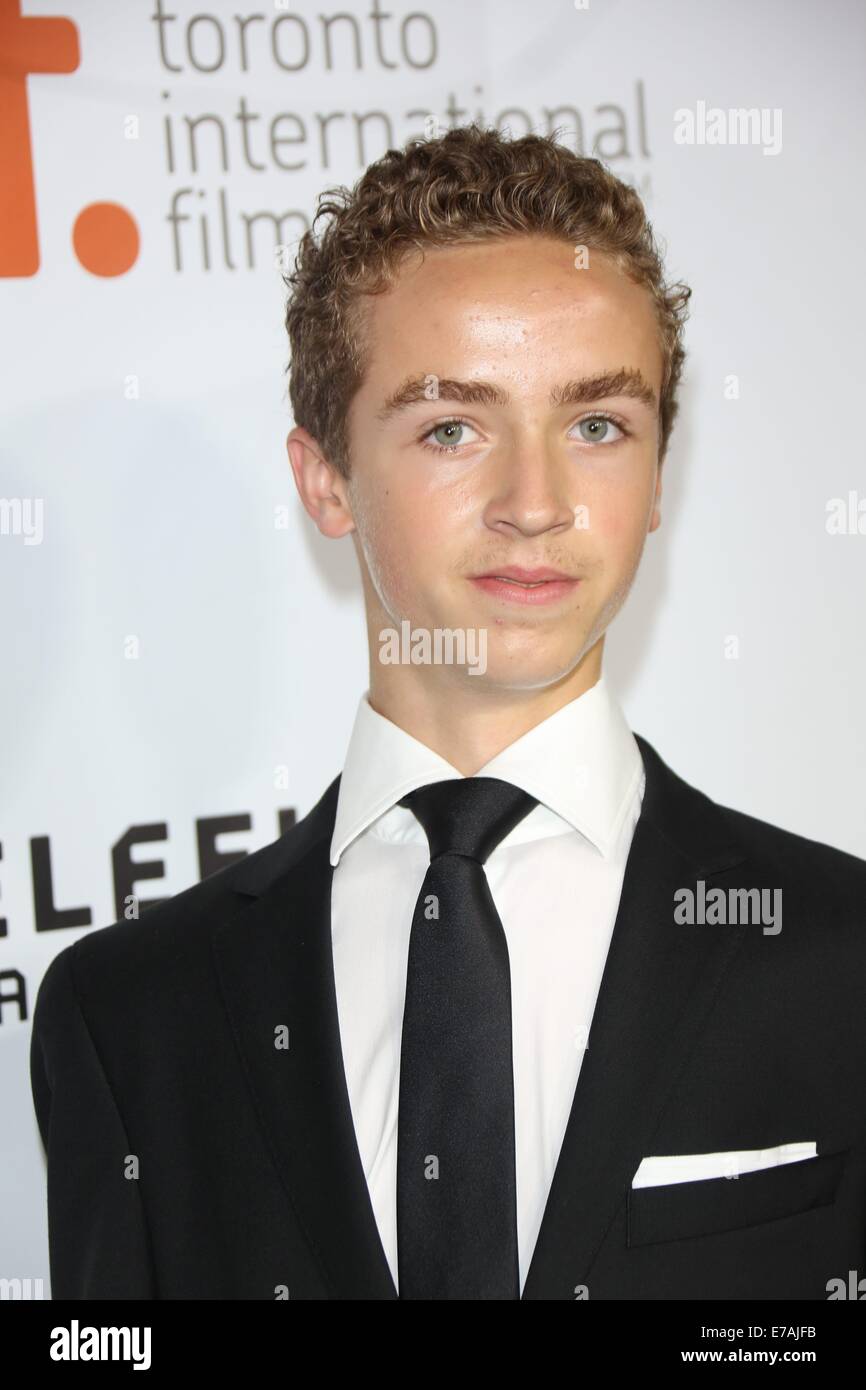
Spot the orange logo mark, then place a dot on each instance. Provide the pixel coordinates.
(105, 237)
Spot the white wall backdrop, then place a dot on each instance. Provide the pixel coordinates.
(170, 655)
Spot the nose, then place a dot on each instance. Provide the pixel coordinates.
(530, 487)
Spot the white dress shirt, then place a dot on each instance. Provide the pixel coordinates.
(556, 880)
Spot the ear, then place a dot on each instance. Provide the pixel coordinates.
(320, 487)
(656, 518)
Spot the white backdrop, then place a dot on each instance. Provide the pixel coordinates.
(170, 655)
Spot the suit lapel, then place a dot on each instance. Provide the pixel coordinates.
(656, 992)
(275, 965)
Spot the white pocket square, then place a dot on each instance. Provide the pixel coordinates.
(657, 1172)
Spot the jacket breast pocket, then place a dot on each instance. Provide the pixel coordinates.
(682, 1210)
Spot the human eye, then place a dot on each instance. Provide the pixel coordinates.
(600, 424)
(448, 427)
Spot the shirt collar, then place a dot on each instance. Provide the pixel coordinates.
(582, 762)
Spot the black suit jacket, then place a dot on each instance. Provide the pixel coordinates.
(154, 1044)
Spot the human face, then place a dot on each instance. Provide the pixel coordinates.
(530, 476)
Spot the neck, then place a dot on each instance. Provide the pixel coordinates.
(464, 718)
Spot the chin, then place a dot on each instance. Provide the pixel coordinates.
(507, 675)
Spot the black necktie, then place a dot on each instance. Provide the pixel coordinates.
(456, 1191)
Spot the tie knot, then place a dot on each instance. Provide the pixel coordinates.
(468, 815)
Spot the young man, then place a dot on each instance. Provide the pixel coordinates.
(514, 1011)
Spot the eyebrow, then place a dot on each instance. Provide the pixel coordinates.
(627, 381)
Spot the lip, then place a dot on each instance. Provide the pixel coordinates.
(552, 586)
(525, 576)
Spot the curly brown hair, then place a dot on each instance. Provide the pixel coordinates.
(468, 184)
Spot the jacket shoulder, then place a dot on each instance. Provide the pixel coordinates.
(691, 819)
(171, 931)
(770, 839)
